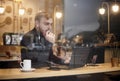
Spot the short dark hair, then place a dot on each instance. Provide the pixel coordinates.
(39, 15)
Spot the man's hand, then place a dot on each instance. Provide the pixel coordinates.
(50, 36)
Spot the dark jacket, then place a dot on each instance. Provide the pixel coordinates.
(37, 48)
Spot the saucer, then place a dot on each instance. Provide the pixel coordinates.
(30, 70)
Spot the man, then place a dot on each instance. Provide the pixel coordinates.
(37, 43)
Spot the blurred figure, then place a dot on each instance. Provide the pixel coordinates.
(37, 43)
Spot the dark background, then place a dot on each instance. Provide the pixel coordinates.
(82, 17)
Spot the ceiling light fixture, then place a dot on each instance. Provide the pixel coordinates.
(2, 9)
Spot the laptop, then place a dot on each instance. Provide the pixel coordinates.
(78, 58)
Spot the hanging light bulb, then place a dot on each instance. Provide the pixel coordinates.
(102, 11)
(2, 9)
(21, 11)
(58, 15)
(115, 8)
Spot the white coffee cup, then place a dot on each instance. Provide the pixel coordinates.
(26, 64)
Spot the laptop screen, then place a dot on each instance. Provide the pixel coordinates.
(79, 57)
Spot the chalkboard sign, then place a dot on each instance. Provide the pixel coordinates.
(11, 39)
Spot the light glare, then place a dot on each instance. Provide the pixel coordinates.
(2, 9)
(115, 8)
(58, 15)
(102, 11)
(21, 11)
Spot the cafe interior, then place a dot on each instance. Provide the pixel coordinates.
(89, 27)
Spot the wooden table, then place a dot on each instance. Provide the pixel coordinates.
(15, 73)
(4, 59)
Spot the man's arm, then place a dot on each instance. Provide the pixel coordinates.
(27, 41)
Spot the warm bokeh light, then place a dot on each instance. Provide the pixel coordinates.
(21, 11)
(58, 15)
(2, 9)
(115, 8)
(102, 11)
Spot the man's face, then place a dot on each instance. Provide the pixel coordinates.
(44, 25)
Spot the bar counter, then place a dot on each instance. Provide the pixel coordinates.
(15, 73)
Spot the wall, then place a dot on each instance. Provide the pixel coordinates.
(11, 21)
(14, 24)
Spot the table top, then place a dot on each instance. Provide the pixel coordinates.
(4, 59)
(16, 73)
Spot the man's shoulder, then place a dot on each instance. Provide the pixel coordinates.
(29, 33)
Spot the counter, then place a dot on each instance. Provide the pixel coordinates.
(15, 73)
